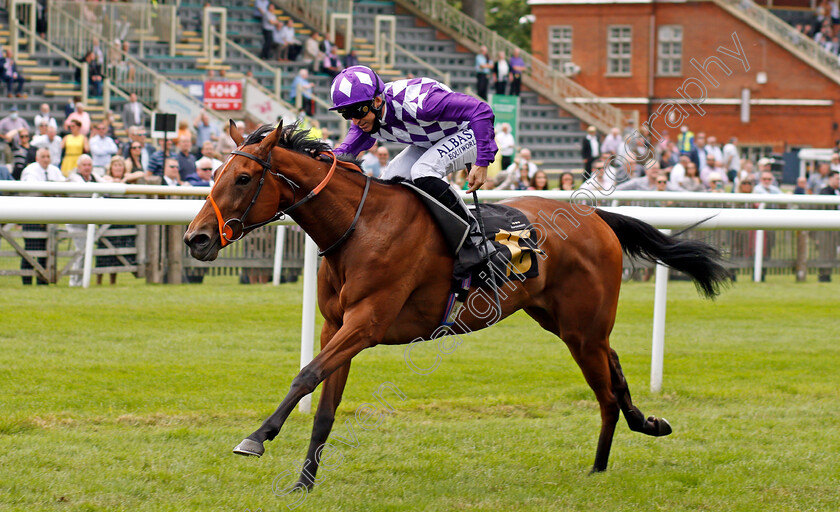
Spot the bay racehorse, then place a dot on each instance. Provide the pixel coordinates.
(386, 275)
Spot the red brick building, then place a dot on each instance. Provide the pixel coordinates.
(694, 60)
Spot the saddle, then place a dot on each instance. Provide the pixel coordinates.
(512, 252)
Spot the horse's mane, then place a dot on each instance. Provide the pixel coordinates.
(293, 138)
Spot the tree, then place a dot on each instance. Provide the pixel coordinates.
(500, 16)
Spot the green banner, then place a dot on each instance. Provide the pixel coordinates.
(506, 109)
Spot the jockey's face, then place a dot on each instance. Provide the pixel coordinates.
(367, 121)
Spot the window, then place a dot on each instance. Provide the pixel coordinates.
(669, 60)
(619, 39)
(559, 47)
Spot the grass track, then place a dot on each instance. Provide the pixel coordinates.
(131, 398)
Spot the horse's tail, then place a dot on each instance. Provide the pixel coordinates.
(699, 260)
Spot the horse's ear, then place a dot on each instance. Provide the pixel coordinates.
(270, 140)
(235, 134)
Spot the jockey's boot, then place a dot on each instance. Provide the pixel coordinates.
(470, 254)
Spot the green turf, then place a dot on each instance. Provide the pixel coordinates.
(130, 398)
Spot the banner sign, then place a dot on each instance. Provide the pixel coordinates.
(223, 95)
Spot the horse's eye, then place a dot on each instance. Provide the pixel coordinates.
(243, 179)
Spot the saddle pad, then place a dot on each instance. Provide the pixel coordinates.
(509, 231)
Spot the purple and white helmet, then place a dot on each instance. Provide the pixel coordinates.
(355, 84)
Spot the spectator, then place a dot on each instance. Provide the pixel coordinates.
(94, 74)
(731, 160)
(44, 116)
(801, 186)
(52, 142)
(5, 175)
(102, 148)
(209, 151)
(567, 181)
(662, 186)
(599, 181)
(648, 181)
(302, 82)
(834, 165)
(10, 74)
(205, 129)
(698, 152)
(501, 73)
(117, 172)
(766, 185)
(506, 144)
(679, 171)
(515, 177)
(81, 116)
(716, 182)
(311, 51)
(9, 126)
(832, 185)
(185, 158)
(157, 160)
(40, 170)
(83, 173)
(74, 145)
(133, 113)
(713, 166)
(98, 54)
(332, 63)
(134, 160)
(691, 181)
(23, 153)
(713, 150)
(539, 181)
(70, 107)
(269, 21)
(517, 69)
(685, 141)
(137, 137)
(612, 142)
(384, 159)
(483, 65)
(203, 174)
(590, 150)
(818, 180)
(370, 161)
(172, 174)
(525, 161)
(183, 132)
(288, 45)
(351, 59)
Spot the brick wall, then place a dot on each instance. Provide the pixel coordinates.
(706, 27)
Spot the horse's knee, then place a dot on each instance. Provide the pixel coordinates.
(305, 382)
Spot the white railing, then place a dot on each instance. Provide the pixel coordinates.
(150, 211)
(540, 76)
(783, 33)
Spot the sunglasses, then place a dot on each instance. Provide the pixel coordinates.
(205, 168)
(136, 147)
(357, 111)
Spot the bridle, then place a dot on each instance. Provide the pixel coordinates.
(226, 226)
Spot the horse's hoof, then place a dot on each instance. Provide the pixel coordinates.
(249, 447)
(664, 427)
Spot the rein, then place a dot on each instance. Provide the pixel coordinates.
(225, 225)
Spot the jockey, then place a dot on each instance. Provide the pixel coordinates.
(445, 132)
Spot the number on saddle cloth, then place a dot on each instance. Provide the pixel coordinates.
(514, 241)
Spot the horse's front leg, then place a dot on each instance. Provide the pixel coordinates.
(351, 338)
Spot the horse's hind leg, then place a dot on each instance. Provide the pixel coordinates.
(591, 350)
(651, 426)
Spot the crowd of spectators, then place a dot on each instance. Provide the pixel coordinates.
(505, 73)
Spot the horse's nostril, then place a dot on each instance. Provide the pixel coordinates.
(198, 241)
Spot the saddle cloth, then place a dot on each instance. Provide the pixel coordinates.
(509, 237)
